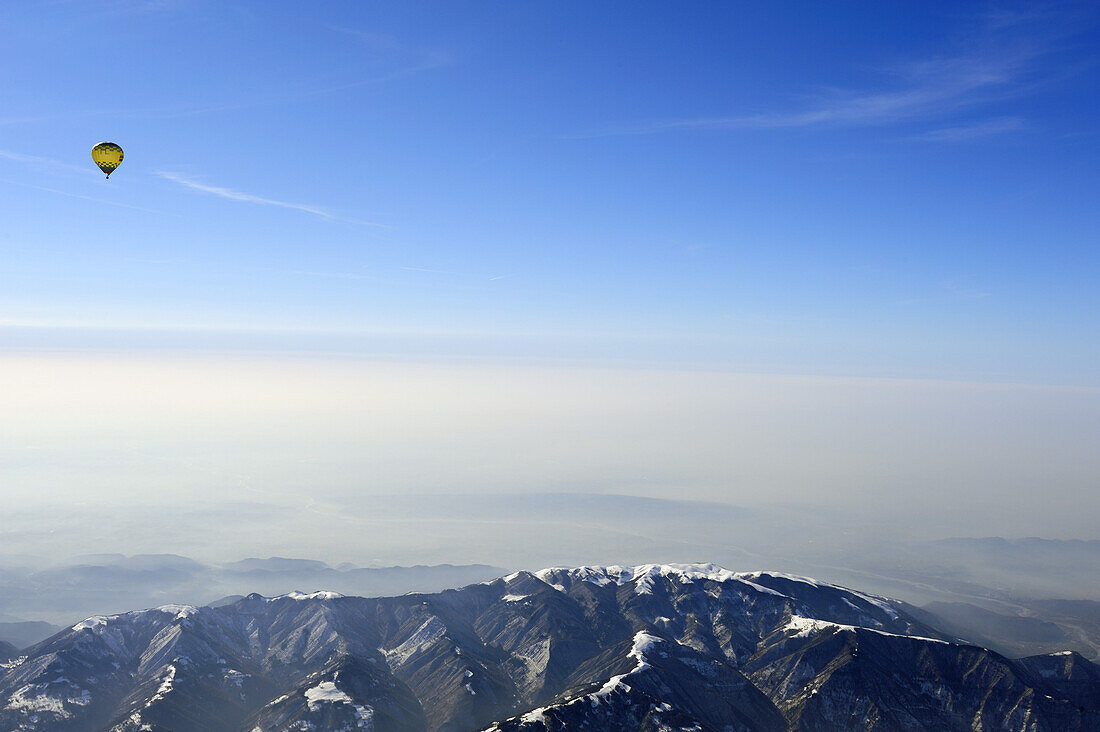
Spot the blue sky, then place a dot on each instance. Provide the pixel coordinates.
(864, 189)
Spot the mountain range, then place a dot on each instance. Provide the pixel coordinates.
(649, 647)
(63, 591)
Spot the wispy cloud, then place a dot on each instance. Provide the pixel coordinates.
(434, 271)
(455, 274)
(927, 90)
(412, 58)
(313, 88)
(949, 291)
(104, 201)
(36, 118)
(999, 63)
(961, 133)
(335, 275)
(232, 195)
(41, 162)
(395, 60)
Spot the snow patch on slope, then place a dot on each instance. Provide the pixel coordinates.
(165, 686)
(643, 644)
(878, 601)
(802, 627)
(327, 692)
(33, 699)
(96, 621)
(102, 621)
(429, 632)
(180, 611)
(781, 575)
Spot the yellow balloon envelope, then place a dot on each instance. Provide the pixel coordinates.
(108, 156)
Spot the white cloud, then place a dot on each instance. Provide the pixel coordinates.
(232, 195)
(42, 162)
(413, 58)
(103, 201)
(998, 63)
(336, 275)
(985, 128)
(929, 89)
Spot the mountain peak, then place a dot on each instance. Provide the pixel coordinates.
(317, 595)
(642, 574)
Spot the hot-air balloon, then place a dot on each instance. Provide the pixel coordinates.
(108, 156)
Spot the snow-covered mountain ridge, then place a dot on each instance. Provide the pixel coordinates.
(650, 647)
